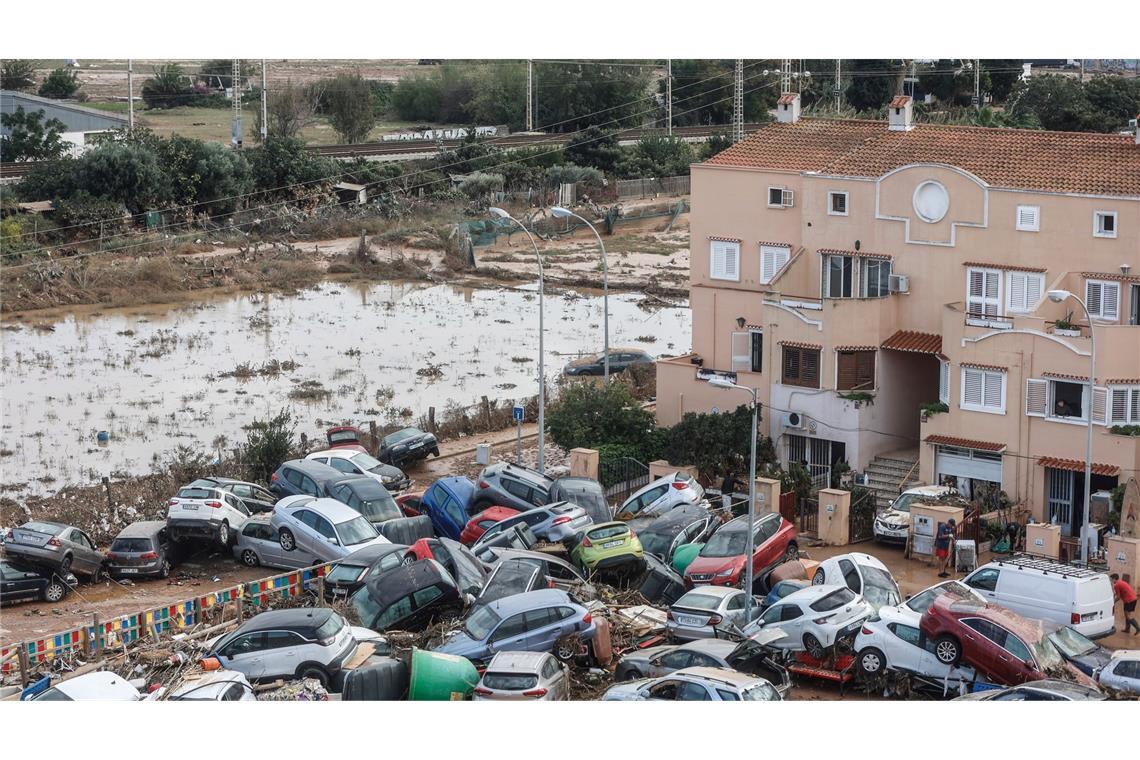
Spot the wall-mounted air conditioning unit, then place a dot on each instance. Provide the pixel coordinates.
(794, 421)
(898, 283)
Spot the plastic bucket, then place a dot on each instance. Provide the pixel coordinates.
(438, 677)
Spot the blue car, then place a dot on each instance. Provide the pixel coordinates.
(446, 503)
(535, 621)
(782, 589)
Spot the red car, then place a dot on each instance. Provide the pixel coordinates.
(1001, 645)
(409, 503)
(721, 561)
(347, 437)
(479, 524)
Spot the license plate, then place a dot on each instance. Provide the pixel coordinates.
(689, 620)
(190, 506)
(415, 445)
(340, 592)
(611, 544)
(126, 570)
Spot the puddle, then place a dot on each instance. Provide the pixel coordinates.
(156, 377)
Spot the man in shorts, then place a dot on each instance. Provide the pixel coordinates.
(944, 545)
(1122, 590)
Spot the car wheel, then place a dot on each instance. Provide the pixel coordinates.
(792, 552)
(315, 672)
(947, 650)
(286, 539)
(813, 647)
(817, 579)
(65, 566)
(224, 533)
(249, 558)
(55, 591)
(566, 648)
(625, 674)
(164, 571)
(871, 661)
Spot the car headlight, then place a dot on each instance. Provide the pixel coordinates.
(726, 572)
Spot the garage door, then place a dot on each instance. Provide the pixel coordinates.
(967, 463)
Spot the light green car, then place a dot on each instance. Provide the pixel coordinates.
(684, 554)
(607, 546)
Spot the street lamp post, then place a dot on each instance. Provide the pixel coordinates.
(719, 382)
(562, 213)
(501, 214)
(1057, 296)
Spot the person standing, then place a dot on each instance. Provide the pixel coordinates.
(727, 488)
(944, 545)
(1122, 590)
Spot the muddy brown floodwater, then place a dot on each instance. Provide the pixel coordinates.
(156, 377)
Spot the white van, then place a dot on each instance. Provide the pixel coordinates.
(1048, 590)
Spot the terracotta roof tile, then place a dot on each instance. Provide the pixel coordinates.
(787, 99)
(1122, 381)
(775, 243)
(724, 239)
(1110, 276)
(899, 101)
(1007, 267)
(916, 342)
(1078, 465)
(1066, 376)
(800, 344)
(965, 443)
(1062, 162)
(857, 254)
(990, 367)
(856, 348)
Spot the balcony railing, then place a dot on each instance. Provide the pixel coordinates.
(991, 321)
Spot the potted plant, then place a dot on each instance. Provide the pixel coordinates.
(1065, 326)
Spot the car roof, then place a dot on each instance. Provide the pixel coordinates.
(363, 485)
(208, 684)
(578, 482)
(370, 554)
(530, 600)
(392, 585)
(142, 529)
(677, 518)
(314, 469)
(859, 558)
(1062, 687)
(96, 686)
(1126, 654)
(339, 453)
(496, 512)
(927, 491)
(515, 470)
(610, 524)
(714, 647)
(332, 509)
(503, 553)
(524, 662)
(52, 523)
(1008, 619)
(721, 591)
(297, 617)
(811, 593)
(722, 675)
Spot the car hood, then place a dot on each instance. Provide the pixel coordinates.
(460, 644)
(895, 516)
(714, 564)
(365, 634)
(626, 691)
(1091, 662)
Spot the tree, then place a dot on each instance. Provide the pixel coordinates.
(591, 415)
(268, 443)
(594, 147)
(205, 175)
(168, 87)
(17, 75)
(129, 173)
(656, 157)
(499, 95)
(349, 104)
(951, 80)
(1114, 100)
(59, 84)
(702, 91)
(715, 144)
(716, 443)
(417, 98)
(290, 109)
(580, 95)
(873, 82)
(1003, 75)
(31, 137)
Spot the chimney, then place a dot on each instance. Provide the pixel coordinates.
(900, 114)
(788, 108)
(1136, 129)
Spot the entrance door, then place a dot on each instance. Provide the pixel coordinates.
(1061, 486)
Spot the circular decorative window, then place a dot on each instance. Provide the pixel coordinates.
(931, 201)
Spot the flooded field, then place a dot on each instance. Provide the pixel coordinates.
(158, 377)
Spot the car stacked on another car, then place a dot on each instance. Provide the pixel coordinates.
(305, 477)
(750, 655)
(721, 562)
(406, 446)
(352, 462)
(59, 548)
(1122, 671)
(448, 502)
(21, 582)
(459, 561)
(256, 498)
(479, 524)
(553, 522)
(407, 597)
(863, 574)
(587, 493)
(345, 577)
(609, 546)
(696, 684)
(141, 548)
(367, 497)
(660, 496)
(203, 509)
(259, 544)
(687, 524)
(700, 613)
(511, 485)
(322, 528)
(815, 619)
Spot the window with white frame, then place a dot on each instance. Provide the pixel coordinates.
(1104, 224)
(944, 381)
(724, 259)
(1124, 405)
(1029, 218)
(1103, 299)
(876, 278)
(983, 292)
(983, 390)
(780, 197)
(1023, 290)
(837, 203)
(772, 260)
(838, 276)
(1066, 401)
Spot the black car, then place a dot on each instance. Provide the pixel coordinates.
(1084, 654)
(620, 359)
(686, 524)
(368, 497)
(407, 445)
(408, 598)
(20, 582)
(587, 493)
(348, 575)
(510, 577)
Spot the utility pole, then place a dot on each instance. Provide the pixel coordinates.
(836, 90)
(669, 96)
(529, 95)
(977, 83)
(130, 95)
(786, 76)
(235, 89)
(1082, 71)
(738, 103)
(264, 104)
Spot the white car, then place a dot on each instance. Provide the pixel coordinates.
(893, 523)
(814, 619)
(892, 641)
(700, 684)
(322, 528)
(353, 462)
(1122, 671)
(103, 686)
(291, 643)
(863, 574)
(215, 686)
(204, 510)
(660, 496)
(699, 613)
(537, 676)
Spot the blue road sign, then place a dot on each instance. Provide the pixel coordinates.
(518, 414)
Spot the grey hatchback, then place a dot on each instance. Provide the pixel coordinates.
(58, 547)
(141, 548)
(259, 544)
(511, 485)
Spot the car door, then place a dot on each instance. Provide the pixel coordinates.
(765, 552)
(663, 690)
(345, 466)
(655, 501)
(238, 511)
(15, 584)
(510, 636)
(734, 610)
(669, 662)
(328, 545)
(424, 601)
(543, 628)
(983, 641)
(1015, 655)
(1122, 674)
(244, 654)
(84, 557)
(293, 479)
(907, 652)
(554, 674)
(304, 527)
(281, 654)
(690, 691)
(850, 575)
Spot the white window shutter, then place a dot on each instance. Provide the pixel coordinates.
(1093, 296)
(992, 287)
(1134, 406)
(1034, 289)
(1111, 301)
(1016, 296)
(944, 382)
(788, 198)
(716, 260)
(976, 291)
(993, 383)
(1100, 406)
(767, 265)
(1118, 408)
(1036, 395)
(972, 393)
(732, 261)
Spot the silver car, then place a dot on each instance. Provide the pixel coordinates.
(322, 527)
(553, 523)
(696, 685)
(660, 496)
(58, 547)
(259, 544)
(815, 618)
(512, 676)
(699, 613)
(752, 655)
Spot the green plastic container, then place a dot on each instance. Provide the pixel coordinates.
(684, 555)
(437, 677)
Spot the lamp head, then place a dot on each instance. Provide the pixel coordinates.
(1057, 296)
(720, 382)
(498, 212)
(560, 213)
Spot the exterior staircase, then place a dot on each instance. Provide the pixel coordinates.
(886, 472)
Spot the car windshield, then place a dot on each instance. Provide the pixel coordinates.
(610, 531)
(53, 695)
(470, 573)
(726, 543)
(342, 573)
(902, 503)
(509, 681)
(342, 436)
(1071, 643)
(878, 587)
(834, 600)
(401, 435)
(655, 543)
(130, 545)
(698, 601)
(761, 692)
(355, 531)
(330, 627)
(365, 606)
(41, 527)
(480, 623)
(380, 508)
(1046, 654)
(365, 461)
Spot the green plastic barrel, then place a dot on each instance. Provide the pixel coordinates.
(684, 555)
(440, 677)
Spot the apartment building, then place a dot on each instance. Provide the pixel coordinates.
(855, 272)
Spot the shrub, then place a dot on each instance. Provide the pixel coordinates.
(349, 107)
(268, 443)
(479, 185)
(59, 84)
(589, 414)
(17, 75)
(716, 443)
(284, 162)
(31, 137)
(167, 88)
(90, 215)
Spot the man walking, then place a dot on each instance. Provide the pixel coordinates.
(944, 545)
(1122, 590)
